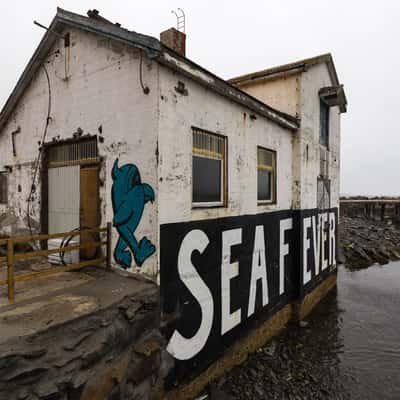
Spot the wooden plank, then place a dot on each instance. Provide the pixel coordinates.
(10, 270)
(3, 242)
(3, 259)
(89, 161)
(55, 270)
(23, 239)
(109, 239)
(89, 208)
(39, 253)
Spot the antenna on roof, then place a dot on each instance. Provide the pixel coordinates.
(180, 19)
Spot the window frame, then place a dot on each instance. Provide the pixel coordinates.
(224, 175)
(325, 183)
(5, 175)
(274, 184)
(324, 106)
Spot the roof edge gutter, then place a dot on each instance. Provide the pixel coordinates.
(63, 18)
(150, 44)
(264, 77)
(154, 50)
(173, 61)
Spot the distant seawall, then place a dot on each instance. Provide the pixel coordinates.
(369, 231)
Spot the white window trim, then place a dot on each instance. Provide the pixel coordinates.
(223, 162)
(5, 203)
(208, 204)
(266, 202)
(274, 197)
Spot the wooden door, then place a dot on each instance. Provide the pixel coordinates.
(89, 210)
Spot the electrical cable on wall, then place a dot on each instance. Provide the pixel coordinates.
(66, 241)
(145, 89)
(48, 118)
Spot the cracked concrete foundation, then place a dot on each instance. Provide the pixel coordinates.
(104, 345)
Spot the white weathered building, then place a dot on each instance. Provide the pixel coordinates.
(310, 90)
(106, 124)
(96, 95)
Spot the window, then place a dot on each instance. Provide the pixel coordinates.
(266, 175)
(209, 162)
(324, 124)
(323, 162)
(3, 188)
(323, 193)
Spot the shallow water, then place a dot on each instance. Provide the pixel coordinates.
(349, 348)
(368, 302)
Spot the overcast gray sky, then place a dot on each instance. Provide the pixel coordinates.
(234, 37)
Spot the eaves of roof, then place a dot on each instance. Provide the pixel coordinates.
(154, 50)
(300, 65)
(284, 70)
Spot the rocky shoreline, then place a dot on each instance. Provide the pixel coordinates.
(364, 242)
(298, 364)
(290, 367)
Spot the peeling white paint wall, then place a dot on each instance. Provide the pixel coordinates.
(102, 96)
(279, 93)
(204, 109)
(299, 94)
(312, 81)
(102, 93)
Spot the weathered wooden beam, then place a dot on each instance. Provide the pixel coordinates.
(10, 270)
(109, 239)
(39, 253)
(24, 239)
(54, 270)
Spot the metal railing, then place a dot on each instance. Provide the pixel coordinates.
(13, 257)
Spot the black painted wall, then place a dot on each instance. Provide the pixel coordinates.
(182, 308)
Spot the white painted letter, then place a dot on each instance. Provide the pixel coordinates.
(180, 347)
(324, 220)
(316, 241)
(285, 225)
(258, 270)
(332, 239)
(229, 271)
(306, 247)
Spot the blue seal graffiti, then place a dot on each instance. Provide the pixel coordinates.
(129, 195)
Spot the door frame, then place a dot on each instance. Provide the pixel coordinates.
(44, 192)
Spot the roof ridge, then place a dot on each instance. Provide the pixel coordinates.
(325, 57)
(154, 50)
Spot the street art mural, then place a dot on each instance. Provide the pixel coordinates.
(221, 278)
(129, 196)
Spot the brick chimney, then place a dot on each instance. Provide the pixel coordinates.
(175, 40)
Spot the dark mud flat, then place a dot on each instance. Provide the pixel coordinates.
(348, 348)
